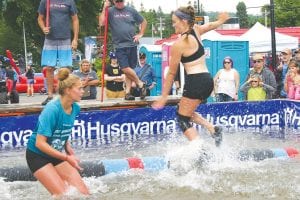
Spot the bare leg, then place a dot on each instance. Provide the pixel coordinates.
(51, 180)
(187, 108)
(130, 74)
(198, 119)
(50, 80)
(71, 176)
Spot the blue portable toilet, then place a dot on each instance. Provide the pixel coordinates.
(153, 53)
(217, 50)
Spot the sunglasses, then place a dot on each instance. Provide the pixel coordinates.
(142, 57)
(257, 61)
(119, 1)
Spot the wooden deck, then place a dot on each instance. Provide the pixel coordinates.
(32, 108)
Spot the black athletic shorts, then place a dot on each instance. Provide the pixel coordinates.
(36, 161)
(198, 86)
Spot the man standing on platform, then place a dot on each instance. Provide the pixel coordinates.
(123, 21)
(57, 50)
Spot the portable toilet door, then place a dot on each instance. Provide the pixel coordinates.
(153, 54)
(239, 53)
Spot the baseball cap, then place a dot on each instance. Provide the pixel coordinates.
(142, 55)
(286, 51)
(112, 55)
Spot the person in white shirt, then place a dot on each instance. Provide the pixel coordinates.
(227, 82)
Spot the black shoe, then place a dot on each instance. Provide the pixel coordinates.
(47, 101)
(218, 135)
(129, 97)
(143, 91)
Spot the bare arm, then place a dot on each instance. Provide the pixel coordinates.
(75, 23)
(41, 144)
(42, 25)
(175, 55)
(223, 17)
(102, 15)
(143, 27)
(237, 81)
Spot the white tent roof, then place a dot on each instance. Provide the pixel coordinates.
(259, 38)
(215, 36)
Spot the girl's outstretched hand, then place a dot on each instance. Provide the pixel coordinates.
(159, 104)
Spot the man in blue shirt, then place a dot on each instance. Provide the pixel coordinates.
(123, 21)
(57, 50)
(145, 73)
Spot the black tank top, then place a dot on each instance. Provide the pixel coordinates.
(197, 54)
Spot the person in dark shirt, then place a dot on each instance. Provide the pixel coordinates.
(114, 78)
(30, 80)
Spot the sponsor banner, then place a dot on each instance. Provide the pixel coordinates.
(275, 118)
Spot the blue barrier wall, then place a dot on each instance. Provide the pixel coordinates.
(271, 118)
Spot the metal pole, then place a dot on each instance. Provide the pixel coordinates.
(198, 7)
(25, 46)
(160, 22)
(266, 18)
(273, 33)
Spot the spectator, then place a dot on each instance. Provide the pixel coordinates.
(255, 89)
(2, 72)
(30, 80)
(89, 80)
(10, 79)
(146, 74)
(292, 80)
(123, 21)
(114, 78)
(281, 71)
(267, 77)
(297, 55)
(227, 81)
(57, 50)
(22, 64)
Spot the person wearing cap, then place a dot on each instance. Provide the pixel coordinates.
(114, 78)
(124, 21)
(297, 55)
(266, 75)
(281, 71)
(89, 80)
(146, 73)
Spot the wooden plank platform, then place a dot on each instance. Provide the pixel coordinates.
(32, 108)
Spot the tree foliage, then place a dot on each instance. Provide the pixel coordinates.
(242, 14)
(287, 13)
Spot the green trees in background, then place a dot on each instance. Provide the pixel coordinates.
(241, 13)
(13, 13)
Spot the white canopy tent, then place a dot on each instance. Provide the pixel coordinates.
(259, 38)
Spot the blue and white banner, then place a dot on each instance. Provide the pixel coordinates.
(274, 118)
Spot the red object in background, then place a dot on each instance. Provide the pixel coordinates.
(12, 62)
(47, 13)
(21, 86)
